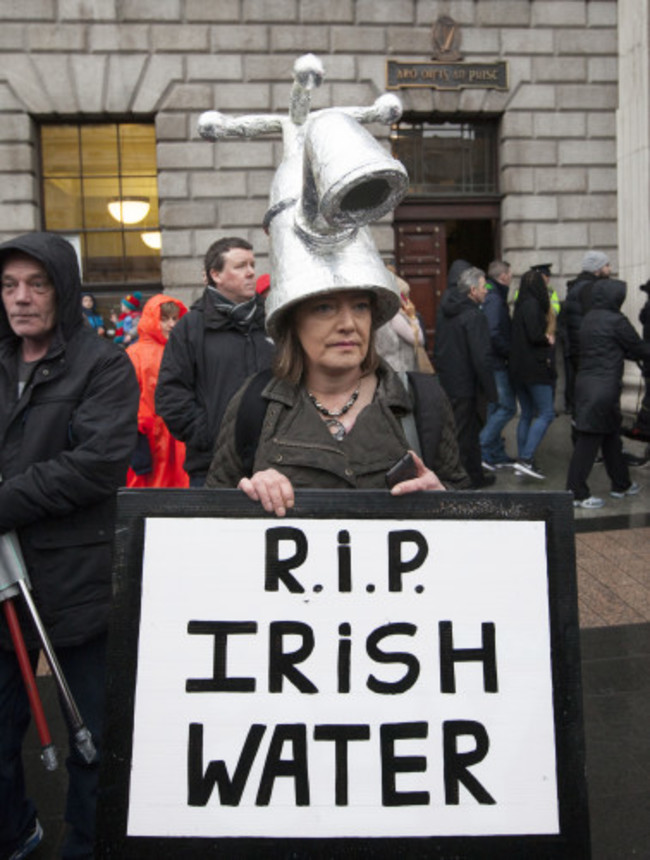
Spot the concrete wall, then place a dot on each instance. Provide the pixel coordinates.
(173, 59)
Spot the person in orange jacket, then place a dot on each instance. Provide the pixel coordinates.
(158, 458)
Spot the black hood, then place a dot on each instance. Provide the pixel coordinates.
(455, 271)
(608, 294)
(454, 303)
(59, 259)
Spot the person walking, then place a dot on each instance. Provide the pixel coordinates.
(595, 265)
(463, 361)
(497, 314)
(607, 338)
(532, 370)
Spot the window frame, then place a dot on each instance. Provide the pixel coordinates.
(489, 126)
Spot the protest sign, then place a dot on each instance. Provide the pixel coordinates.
(365, 677)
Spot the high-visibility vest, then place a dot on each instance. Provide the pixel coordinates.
(553, 296)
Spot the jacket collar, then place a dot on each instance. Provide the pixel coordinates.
(389, 387)
(214, 318)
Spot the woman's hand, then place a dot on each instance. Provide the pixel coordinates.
(272, 489)
(425, 480)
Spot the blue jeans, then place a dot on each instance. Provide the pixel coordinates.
(84, 669)
(498, 414)
(537, 413)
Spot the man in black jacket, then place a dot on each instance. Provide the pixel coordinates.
(595, 265)
(463, 360)
(212, 350)
(68, 422)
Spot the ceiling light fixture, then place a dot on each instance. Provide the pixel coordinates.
(129, 210)
(152, 239)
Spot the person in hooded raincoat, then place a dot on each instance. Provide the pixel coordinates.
(158, 460)
(607, 338)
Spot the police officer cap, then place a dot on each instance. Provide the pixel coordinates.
(543, 269)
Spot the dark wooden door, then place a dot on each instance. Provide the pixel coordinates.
(429, 236)
(421, 258)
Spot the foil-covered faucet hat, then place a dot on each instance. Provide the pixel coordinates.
(334, 179)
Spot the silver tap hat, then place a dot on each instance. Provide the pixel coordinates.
(335, 178)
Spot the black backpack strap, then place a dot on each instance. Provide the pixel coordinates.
(427, 397)
(250, 417)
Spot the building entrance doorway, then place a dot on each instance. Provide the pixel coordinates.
(429, 237)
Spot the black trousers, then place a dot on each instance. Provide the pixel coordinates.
(643, 418)
(570, 374)
(584, 455)
(468, 428)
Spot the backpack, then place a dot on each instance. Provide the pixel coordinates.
(422, 427)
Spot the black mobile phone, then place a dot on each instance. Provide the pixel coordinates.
(403, 470)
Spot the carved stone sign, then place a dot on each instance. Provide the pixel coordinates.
(447, 76)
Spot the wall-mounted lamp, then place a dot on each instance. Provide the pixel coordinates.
(129, 210)
(152, 239)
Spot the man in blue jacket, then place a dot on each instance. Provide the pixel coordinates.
(495, 309)
(68, 423)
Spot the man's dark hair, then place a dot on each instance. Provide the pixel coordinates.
(214, 256)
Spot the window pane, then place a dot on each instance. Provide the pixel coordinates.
(448, 158)
(104, 258)
(142, 262)
(62, 200)
(99, 150)
(60, 150)
(137, 150)
(143, 188)
(97, 195)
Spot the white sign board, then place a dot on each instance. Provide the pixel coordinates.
(336, 678)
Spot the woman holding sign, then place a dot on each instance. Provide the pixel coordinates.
(333, 415)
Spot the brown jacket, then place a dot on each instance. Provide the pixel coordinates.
(295, 441)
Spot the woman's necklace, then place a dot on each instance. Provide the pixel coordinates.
(336, 427)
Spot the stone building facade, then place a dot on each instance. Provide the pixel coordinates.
(572, 128)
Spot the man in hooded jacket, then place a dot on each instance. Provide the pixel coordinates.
(68, 420)
(607, 338)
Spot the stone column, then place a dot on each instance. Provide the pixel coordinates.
(633, 158)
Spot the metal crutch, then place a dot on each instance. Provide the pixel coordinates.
(13, 575)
